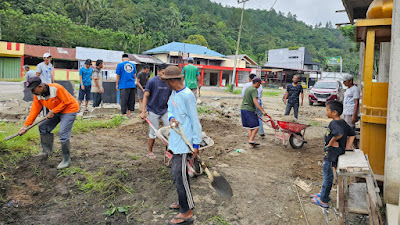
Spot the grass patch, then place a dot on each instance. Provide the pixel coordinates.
(205, 109)
(99, 183)
(236, 91)
(12, 79)
(14, 150)
(81, 125)
(315, 123)
(218, 220)
(271, 93)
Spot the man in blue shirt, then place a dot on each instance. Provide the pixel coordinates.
(155, 98)
(182, 109)
(85, 83)
(125, 83)
(291, 98)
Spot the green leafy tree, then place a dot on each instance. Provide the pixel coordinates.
(197, 39)
(87, 7)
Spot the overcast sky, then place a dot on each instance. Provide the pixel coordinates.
(309, 11)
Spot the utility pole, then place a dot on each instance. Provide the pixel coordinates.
(237, 46)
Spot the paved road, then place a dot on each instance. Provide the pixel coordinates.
(11, 90)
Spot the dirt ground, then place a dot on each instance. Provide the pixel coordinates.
(261, 179)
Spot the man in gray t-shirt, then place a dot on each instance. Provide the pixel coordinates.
(44, 70)
(351, 101)
(28, 72)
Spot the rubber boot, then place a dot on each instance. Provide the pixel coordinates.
(66, 157)
(46, 140)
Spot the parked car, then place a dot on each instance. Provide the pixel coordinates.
(326, 90)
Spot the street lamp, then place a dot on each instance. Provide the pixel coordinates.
(237, 46)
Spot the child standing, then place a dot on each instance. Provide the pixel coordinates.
(338, 138)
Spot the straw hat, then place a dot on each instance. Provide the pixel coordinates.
(172, 72)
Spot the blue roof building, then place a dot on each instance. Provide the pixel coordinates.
(184, 48)
(216, 69)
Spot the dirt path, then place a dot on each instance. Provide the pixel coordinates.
(109, 166)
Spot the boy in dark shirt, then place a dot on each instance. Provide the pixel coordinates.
(338, 138)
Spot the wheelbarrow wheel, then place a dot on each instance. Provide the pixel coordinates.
(295, 142)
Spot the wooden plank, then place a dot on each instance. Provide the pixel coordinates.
(373, 210)
(380, 178)
(346, 197)
(371, 215)
(341, 200)
(371, 190)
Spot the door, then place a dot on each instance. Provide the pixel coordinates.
(213, 79)
(10, 68)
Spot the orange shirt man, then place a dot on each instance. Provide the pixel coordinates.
(63, 109)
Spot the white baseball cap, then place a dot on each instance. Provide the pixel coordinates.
(45, 55)
(347, 77)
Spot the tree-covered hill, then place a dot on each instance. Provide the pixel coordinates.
(138, 25)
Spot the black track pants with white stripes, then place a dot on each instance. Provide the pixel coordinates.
(181, 181)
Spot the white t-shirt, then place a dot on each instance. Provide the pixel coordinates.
(349, 96)
(45, 72)
(259, 90)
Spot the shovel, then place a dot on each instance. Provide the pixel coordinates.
(28, 128)
(218, 182)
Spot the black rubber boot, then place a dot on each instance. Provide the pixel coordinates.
(66, 156)
(46, 140)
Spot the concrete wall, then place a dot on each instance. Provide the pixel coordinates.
(286, 58)
(384, 62)
(230, 63)
(392, 158)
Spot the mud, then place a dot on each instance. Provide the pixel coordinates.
(261, 179)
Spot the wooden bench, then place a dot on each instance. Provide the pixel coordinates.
(355, 164)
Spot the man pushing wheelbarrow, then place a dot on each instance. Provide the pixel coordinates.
(248, 111)
(182, 111)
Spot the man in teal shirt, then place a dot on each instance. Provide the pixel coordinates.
(182, 110)
(192, 76)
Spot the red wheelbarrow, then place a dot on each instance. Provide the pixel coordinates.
(194, 168)
(287, 132)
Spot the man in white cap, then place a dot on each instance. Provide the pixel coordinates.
(351, 101)
(44, 69)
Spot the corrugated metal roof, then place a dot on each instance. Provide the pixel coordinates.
(356, 9)
(56, 52)
(95, 54)
(144, 59)
(184, 48)
(243, 57)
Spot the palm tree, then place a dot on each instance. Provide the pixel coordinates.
(139, 24)
(86, 7)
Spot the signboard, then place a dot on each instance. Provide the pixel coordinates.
(334, 61)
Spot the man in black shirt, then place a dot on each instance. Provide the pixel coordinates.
(291, 98)
(142, 79)
(339, 137)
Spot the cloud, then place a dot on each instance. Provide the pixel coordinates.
(310, 11)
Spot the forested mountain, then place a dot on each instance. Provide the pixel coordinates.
(138, 25)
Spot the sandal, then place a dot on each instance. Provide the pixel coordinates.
(317, 201)
(150, 155)
(319, 196)
(174, 205)
(252, 146)
(184, 222)
(254, 143)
